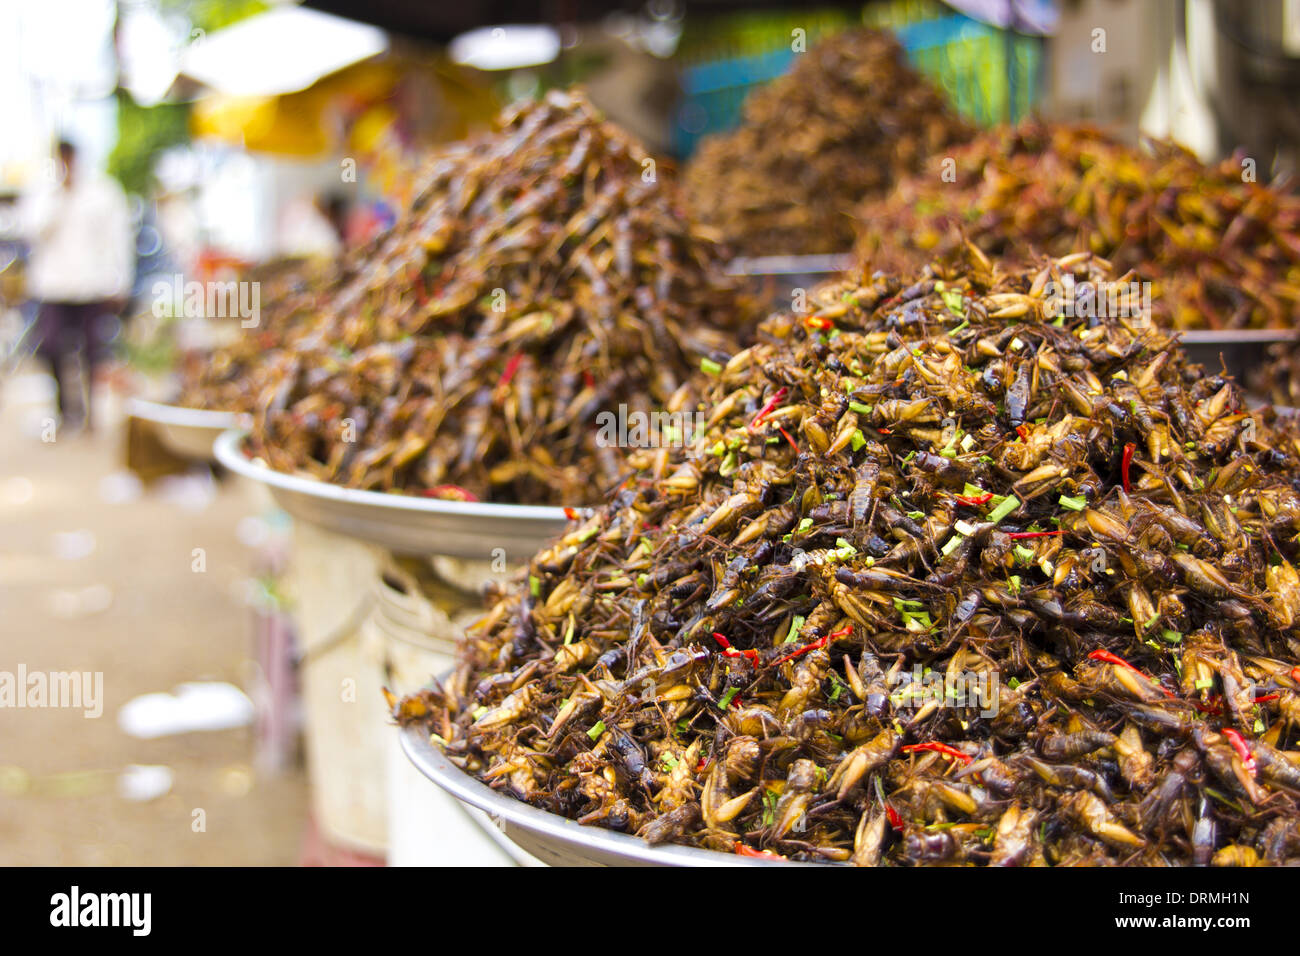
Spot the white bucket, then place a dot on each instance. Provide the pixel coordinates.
(330, 582)
(417, 619)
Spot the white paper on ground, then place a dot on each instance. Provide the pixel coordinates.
(144, 781)
(194, 706)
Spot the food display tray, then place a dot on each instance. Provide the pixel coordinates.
(554, 839)
(405, 524)
(188, 432)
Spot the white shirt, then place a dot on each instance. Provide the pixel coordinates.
(82, 248)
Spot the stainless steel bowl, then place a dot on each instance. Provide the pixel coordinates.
(407, 525)
(554, 839)
(1239, 351)
(188, 432)
(774, 278)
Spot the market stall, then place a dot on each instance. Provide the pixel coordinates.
(902, 475)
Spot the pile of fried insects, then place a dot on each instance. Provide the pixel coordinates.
(542, 274)
(865, 119)
(1219, 248)
(951, 578)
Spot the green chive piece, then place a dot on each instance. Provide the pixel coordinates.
(796, 625)
(1008, 505)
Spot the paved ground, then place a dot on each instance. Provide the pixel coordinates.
(94, 578)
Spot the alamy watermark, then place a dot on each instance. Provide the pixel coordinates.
(213, 300)
(918, 688)
(1091, 300)
(133, 911)
(638, 429)
(82, 690)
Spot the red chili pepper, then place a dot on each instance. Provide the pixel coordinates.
(587, 379)
(845, 631)
(800, 651)
(793, 443)
(1124, 462)
(936, 747)
(767, 409)
(449, 493)
(1104, 655)
(885, 431)
(1109, 658)
(1017, 535)
(818, 322)
(421, 294)
(973, 500)
(745, 850)
(1023, 432)
(1265, 698)
(512, 366)
(1239, 744)
(572, 514)
(730, 651)
(1295, 674)
(895, 820)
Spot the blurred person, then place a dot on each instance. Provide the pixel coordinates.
(80, 270)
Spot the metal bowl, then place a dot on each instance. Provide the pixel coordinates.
(554, 839)
(775, 278)
(421, 527)
(1239, 351)
(188, 432)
